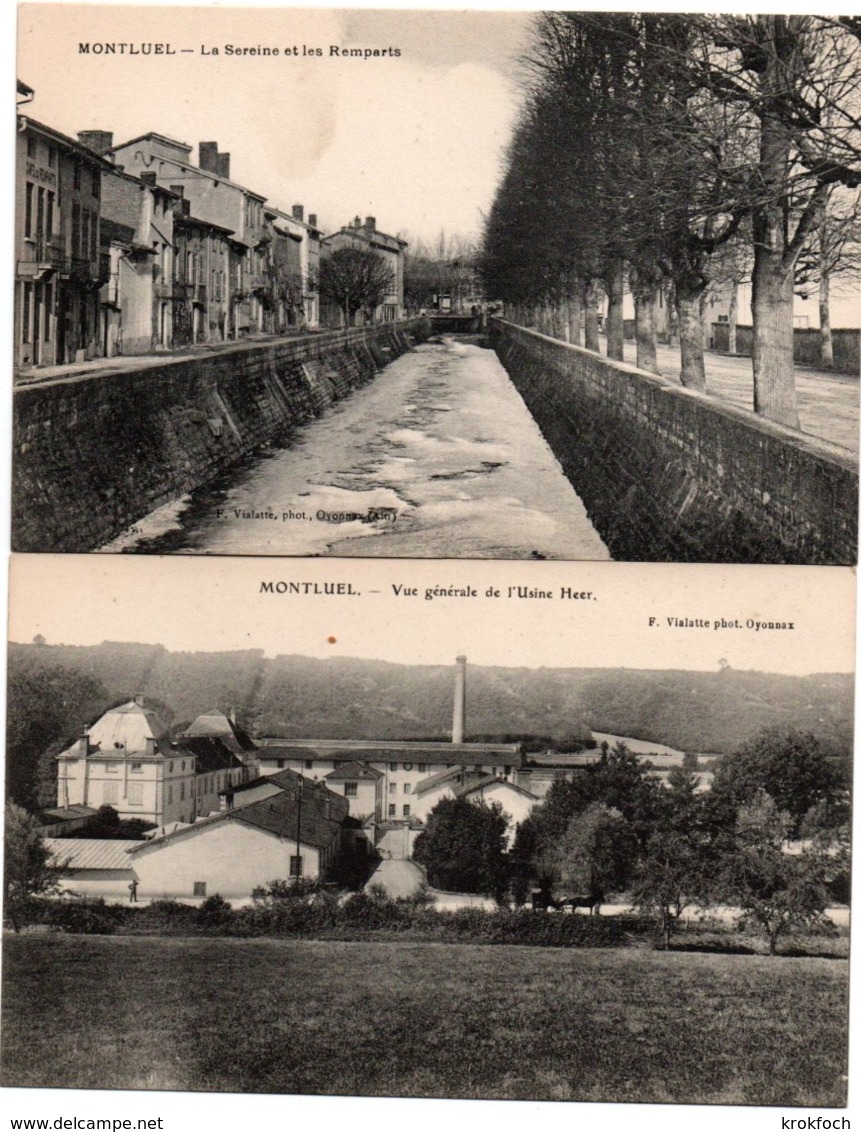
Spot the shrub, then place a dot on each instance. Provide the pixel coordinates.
(168, 914)
(83, 917)
(214, 911)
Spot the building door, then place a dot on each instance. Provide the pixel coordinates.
(38, 329)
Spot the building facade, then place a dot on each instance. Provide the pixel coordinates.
(128, 760)
(59, 266)
(389, 248)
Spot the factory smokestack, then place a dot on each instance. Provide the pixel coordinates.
(459, 700)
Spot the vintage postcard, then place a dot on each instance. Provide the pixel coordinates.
(488, 831)
(436, 284)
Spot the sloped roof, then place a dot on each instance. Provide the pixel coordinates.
(284, 816)
(453, 777)
(212, 754)
(90, 853)
(392, 751)
(314, 815)
(352, 771)
(65, 813)
(491, 780)
(125, 730)
(217, 723)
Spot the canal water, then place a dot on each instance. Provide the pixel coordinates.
(437, 457)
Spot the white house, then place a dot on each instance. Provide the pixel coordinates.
(295, 832)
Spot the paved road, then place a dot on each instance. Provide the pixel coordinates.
(828, 403)
(398, 878)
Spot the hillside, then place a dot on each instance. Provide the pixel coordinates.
(297, 696)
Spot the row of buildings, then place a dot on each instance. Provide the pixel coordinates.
(232, 813)
(133, 248)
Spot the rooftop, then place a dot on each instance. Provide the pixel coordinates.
(89, 853)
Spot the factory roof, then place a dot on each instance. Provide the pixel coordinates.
(89, 853)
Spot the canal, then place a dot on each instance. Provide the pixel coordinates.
(438, 457)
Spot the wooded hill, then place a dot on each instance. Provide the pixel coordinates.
(298, 696)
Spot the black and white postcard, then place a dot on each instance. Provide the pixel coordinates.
(436, 284)
(486, 831)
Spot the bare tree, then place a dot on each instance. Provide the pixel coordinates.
(355, 279)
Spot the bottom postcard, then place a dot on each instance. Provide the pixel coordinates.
(476, 830)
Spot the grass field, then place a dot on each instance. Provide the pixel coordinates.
(429, 1020)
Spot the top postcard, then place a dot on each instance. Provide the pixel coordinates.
(437, 284)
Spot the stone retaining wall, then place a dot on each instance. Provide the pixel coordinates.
(95, 452)
(669, 474)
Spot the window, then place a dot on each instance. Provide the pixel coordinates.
(137, 768)
(97, 183)
(280, 764)
(351, 789)
(199, 888)
(52, 157)
(182, 791)
(393, 787)
(423, 768)
(110, 768)
(406, 811)
(170, 768)
(28, 211)
(392, 810)
(170, 795)
(309, 764)
(183, 764)
(110, 793)
(407, 788)
(77, 176)
(25, 313)
(296, 866)
(135, 793)
(408, 766)
(49, 213)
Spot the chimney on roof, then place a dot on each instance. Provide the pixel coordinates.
(357, 223)
(222, 165)
(312, 219)
(99, 141)
(178, 189)
(207, 156)
(459, 700)
(298, 212)
(139, 700)
(84, 745)
(370, 223)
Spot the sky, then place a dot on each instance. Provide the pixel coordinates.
(194, 603)
(415, 140)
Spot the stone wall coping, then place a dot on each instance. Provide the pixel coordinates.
(813, 445)
(141, 363)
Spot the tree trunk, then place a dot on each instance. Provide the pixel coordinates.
(732, 347)
(647, 338)
(826, 344)
(590, 318)
(773, 268)
(693, 373)
(615, 325)
(773, 368)
(573, 330)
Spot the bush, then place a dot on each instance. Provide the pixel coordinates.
(167, 914)
(214, 911)
(84, 917)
